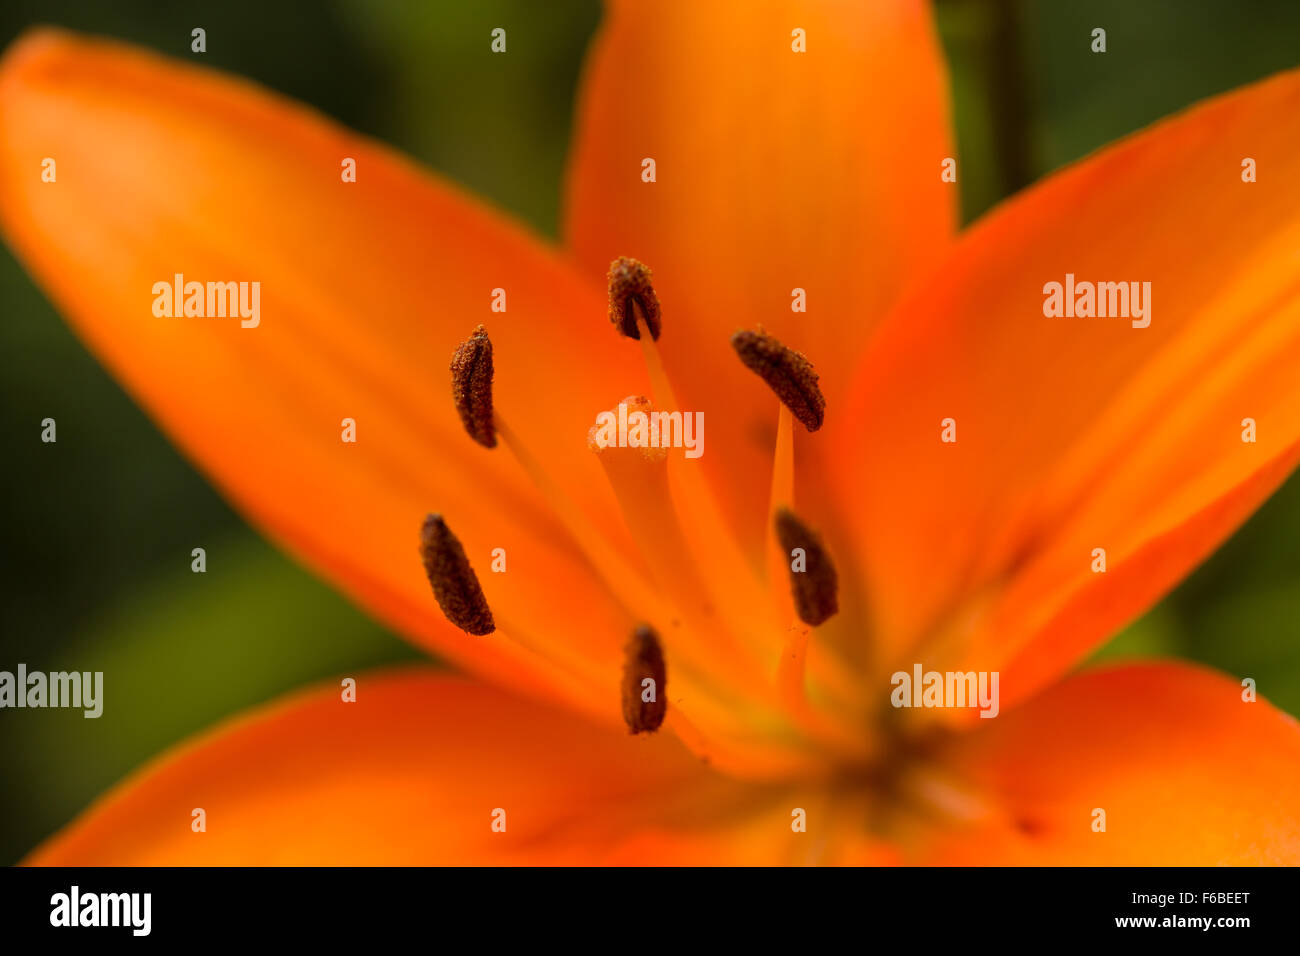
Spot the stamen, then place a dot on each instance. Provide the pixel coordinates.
(746, 759)
(782, 495)
(632, 296)
(644, 663)
(454, 583)
(730, 579)
(786, 372)
(471, 369)
(638, 477)
(471, 387)
(790, 670)
(816, 588)
(623, 582)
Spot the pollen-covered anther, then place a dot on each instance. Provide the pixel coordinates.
(471, 387)
(644, 682)
(631, 295)
(786, 372)
(813, 582)
(455, 584)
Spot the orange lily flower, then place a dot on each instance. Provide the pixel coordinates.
(774, 171)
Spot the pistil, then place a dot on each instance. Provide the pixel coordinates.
(471, 386)
(639, 479)
(734, 587)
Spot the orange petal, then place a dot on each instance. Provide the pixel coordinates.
(1075, 434)
(775, 170)
(1188, 774)
(411, 773)
(366, 290)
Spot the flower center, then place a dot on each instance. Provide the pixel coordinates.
(753, 691)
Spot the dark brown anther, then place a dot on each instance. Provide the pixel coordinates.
(786, 372)
(644, 682)
(813, 581)
(471, 387)
(454, 583)
(631, 295)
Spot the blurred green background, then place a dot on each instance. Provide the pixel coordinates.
(94, 574)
